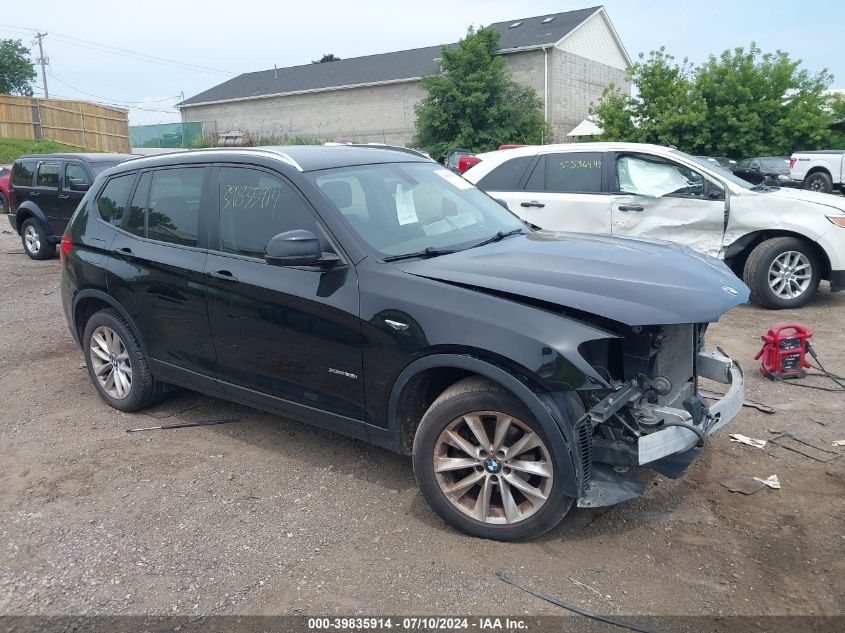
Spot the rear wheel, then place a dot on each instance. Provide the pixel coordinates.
(4, 204)
(117, 364)
(35, 241)
(485, 465)
(782, 272)
(819, 181)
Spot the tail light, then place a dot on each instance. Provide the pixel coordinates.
(791, 163)
(465, 162)
(64, 248)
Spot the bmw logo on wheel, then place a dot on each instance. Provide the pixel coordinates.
(491, 464)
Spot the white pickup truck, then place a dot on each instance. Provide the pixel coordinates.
(819, 171)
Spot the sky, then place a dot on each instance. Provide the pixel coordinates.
(103, 50)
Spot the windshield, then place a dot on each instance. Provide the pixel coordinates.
(724, 173)
(402, 208)
(102, 165)
(775, 163)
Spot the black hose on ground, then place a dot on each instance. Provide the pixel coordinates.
(571, 607)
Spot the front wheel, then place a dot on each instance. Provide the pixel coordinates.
(820, 182)
(485, 466)
(782, 272)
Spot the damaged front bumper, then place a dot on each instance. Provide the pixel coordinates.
(675, 439)
(671, 448)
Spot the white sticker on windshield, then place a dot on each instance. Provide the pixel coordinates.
(405, 211)
(453, 179)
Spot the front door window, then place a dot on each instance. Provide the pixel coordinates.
(654, 177)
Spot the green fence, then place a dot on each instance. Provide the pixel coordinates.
(165, 134)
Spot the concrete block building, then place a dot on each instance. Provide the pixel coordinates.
(567, 58)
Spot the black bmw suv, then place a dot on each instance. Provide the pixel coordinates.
(373, 292)
(43, 193)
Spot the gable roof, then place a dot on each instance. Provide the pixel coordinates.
(393, 67)
(532, 32)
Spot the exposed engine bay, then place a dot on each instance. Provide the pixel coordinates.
(653, 409)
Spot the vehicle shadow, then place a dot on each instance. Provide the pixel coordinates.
(289, 439)
(358, 460)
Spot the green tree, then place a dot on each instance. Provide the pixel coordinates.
(16, 69)
(473, 104)
(328, 57)
(838, 109)
(741, 103)
(667, 110)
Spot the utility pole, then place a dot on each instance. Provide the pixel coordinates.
(43, 61)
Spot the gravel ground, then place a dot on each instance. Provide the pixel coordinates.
(268, 516)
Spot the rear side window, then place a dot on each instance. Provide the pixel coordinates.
(506, 176)
(136, 222)
(76, 172)
(174, 204)
(574, 172)
(48, 175)
(112, 200)
(22, 173)
(256, 206)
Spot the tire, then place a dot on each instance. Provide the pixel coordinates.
(794, 258)
(480, 401)
(34, 239)
(819, 181)
(109, 335)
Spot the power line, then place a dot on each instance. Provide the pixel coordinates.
(107, 103)
(124, 52)
(115, 101)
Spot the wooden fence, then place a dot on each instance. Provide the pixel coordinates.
(77, 123)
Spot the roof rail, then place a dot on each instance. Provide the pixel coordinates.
(398, 148)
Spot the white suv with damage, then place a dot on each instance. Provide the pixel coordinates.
(781, 242)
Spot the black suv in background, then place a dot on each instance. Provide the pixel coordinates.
(766, 170)
(44, 191)
(374, 292)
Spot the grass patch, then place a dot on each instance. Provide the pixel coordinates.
(11, 148)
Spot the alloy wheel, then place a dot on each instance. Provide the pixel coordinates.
(816, 184)
(493, 467)
(790, 275)
(32, 239)
(110, 361)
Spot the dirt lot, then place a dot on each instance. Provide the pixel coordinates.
(268, 516)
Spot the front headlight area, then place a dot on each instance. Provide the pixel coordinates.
(652, 373)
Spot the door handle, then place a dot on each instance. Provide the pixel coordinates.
(124, 252)
(34, 194)
(630, 207)
(533, 203)
(64, 196)
(223, 275)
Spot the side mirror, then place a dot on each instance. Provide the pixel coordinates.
(296, 248)
(716, 194)
(77, 184)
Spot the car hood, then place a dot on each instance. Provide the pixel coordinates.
(825, 199)
(629, 280)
